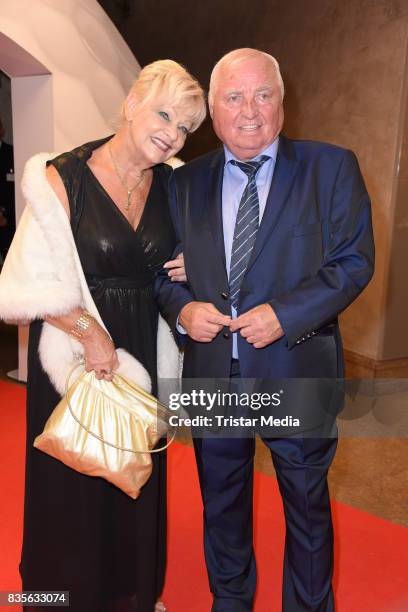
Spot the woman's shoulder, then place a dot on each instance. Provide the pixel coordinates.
(71, 160)
(64, 163)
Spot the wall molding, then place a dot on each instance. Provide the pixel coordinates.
(360, 366)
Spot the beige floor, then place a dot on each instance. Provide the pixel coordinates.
(369, 472)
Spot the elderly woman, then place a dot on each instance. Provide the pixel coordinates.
(84, 277)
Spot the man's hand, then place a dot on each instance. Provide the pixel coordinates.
(202, 321)
(259, 326)
(176, 270)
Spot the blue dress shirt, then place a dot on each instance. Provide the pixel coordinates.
(234, 183)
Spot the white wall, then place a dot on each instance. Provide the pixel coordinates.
(33, 131)
(92, 67)
(70, 69)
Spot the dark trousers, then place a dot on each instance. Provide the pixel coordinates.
(225, 468)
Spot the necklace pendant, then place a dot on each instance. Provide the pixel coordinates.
(128, 203)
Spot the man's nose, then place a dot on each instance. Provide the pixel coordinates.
(249, 109)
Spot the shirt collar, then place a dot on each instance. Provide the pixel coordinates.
(270, 151)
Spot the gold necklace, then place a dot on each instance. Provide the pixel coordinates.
(122, 180)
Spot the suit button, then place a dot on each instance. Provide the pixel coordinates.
(226, 335)
(224, 295)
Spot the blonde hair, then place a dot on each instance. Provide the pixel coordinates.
(168, 79)
(236, 56)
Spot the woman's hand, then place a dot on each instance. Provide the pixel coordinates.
(100, 354)
(176, 269)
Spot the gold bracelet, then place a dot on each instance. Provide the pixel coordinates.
(81, 325)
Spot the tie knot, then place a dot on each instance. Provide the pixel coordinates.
(250, 168)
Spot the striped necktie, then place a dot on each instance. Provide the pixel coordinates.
(246, 227)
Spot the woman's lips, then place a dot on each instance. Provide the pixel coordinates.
(163, 146)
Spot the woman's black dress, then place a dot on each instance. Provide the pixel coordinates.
(82, 534)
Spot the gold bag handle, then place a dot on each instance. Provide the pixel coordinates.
(92, 433)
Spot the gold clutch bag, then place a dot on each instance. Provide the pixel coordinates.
(106, 429)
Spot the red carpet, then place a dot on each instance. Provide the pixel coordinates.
(371, 553)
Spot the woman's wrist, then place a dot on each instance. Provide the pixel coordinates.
(83, 326)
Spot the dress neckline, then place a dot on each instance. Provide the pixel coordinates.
(115, 206)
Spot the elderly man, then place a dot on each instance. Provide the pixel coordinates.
(277, 241)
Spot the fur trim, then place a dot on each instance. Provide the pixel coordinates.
(29, 287)
(43, 276)
(59, 354)
(133, 369)
(169, 358)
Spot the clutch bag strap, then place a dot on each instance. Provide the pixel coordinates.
(95, 435)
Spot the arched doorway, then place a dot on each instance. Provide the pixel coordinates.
(70, 70)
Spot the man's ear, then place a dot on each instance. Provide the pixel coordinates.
(129, 106)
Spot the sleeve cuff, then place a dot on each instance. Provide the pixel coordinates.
(180, 328)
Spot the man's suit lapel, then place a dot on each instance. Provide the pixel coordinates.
(214, 205)
(282, 181)
(284, 173)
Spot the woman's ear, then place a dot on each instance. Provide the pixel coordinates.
(129, 106)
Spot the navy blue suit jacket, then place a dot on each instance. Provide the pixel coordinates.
(314, 254)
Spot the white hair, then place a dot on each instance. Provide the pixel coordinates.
(236, 56)
(169, 79)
